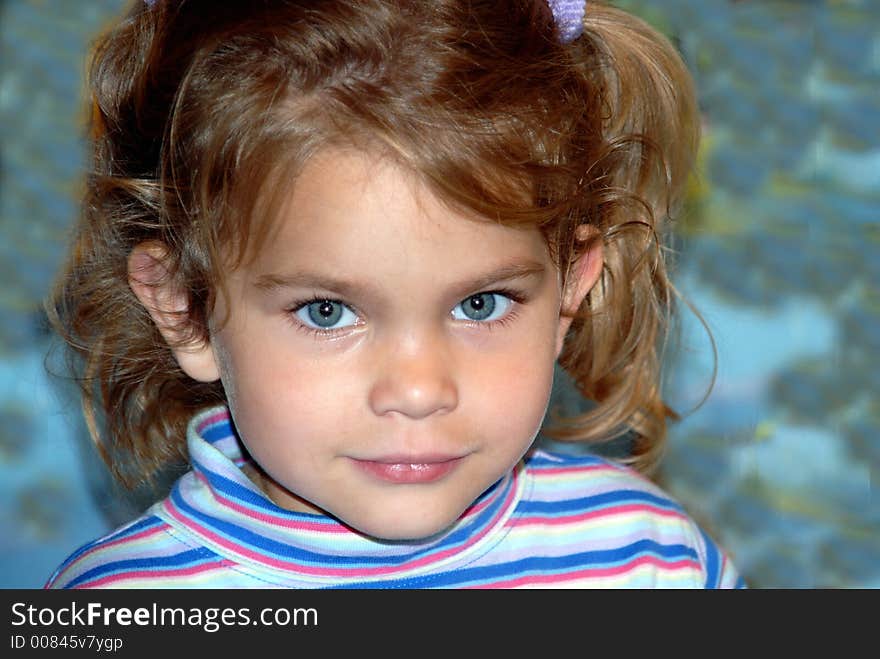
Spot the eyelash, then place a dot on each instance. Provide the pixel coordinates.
(516, 297)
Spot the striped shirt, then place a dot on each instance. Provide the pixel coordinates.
(554, 521)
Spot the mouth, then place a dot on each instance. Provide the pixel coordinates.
(416, 469)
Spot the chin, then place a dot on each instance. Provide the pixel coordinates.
(399, 530)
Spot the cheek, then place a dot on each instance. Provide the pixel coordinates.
(269, 383)
(517, 389)
(252, 381)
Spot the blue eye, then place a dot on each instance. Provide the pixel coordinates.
(326, 315)
(482, 307)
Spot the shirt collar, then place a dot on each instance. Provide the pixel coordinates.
(218, 504)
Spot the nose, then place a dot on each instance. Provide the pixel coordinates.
(415, 379)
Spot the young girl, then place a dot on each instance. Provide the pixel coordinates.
(330, 253)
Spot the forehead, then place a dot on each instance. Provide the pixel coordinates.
(363, 211)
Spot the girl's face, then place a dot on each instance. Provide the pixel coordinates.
(386, 359)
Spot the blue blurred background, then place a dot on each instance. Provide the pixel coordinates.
(778, 249)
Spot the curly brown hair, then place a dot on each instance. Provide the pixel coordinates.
(202, 109)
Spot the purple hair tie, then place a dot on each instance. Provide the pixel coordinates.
(569, 17)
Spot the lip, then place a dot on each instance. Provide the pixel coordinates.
(415, 469)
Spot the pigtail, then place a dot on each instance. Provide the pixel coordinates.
(134, 396)
(650, 131)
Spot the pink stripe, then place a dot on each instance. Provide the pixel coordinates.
(258, 557)
(595, 514)
(594, 573)
(211, 420)
(275, 520)
(151, 574)
(613, 469)
(123, 539)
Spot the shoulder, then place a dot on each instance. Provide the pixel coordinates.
(606, 504)
(139, 554)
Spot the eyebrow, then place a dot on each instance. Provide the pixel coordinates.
(269, 283)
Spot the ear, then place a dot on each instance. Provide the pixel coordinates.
(167, 306)
(582, 276)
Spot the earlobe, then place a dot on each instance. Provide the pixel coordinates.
(167, 306)
(582, 276)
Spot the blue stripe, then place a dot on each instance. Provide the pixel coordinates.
(597, 501)
(216, 432)
(536, 565)
(191, 557)
(254, 499)
(142, 524)
(548, 460)
(262, 544)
